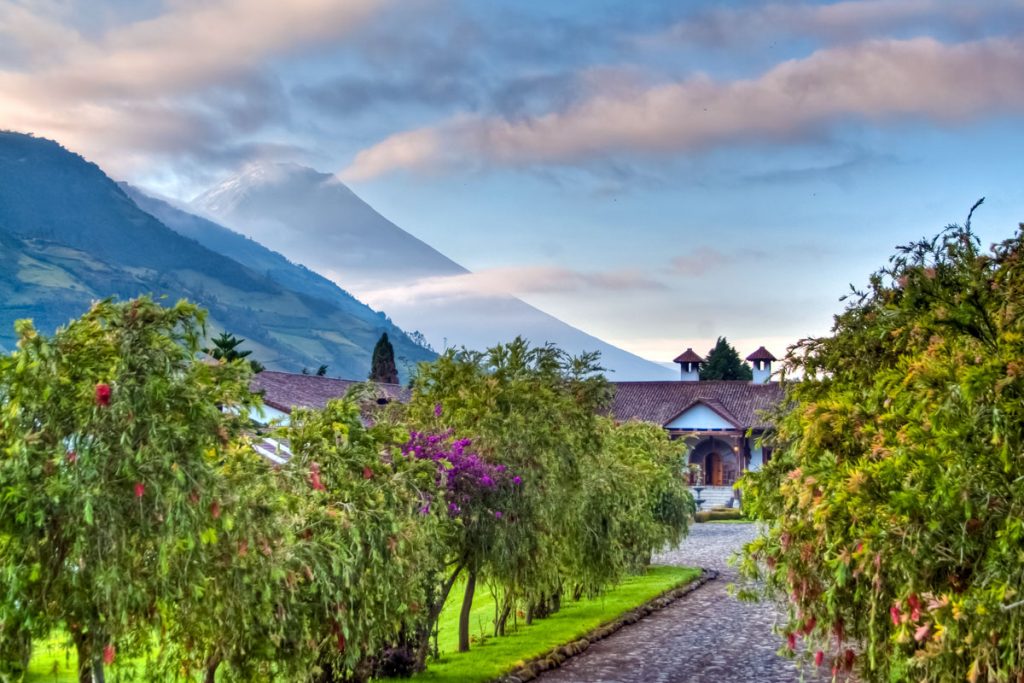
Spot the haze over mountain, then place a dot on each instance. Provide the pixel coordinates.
(314, 218)
(70, 235)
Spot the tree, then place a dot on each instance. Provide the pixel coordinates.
(532, 410)
(109, 442)
(723, 362)
(894, 500)
(225, 347)
(382, 366)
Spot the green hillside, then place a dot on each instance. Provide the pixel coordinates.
(70, 235)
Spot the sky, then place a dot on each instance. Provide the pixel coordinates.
(655, 173)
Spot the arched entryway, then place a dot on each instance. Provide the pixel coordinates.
(718, 460)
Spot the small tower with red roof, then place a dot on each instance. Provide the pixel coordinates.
(762, 362)
(689, 365)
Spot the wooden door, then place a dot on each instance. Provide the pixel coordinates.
(714, 469)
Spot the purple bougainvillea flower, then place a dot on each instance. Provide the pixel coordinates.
(498, 514)
(517, 480)
(437, 410)
(425, 510)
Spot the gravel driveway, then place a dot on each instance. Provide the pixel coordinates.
(707, 635)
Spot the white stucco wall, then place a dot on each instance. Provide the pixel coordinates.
(266, 415)
(700, 417)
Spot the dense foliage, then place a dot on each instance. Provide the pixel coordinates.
(137, 517)
(895, 497)
(723, 362)
(578, 482)
(110, 436)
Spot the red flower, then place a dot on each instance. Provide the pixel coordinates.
(849, 655)
(915, 607)
(894, 612)
(791, 641)
(215, 509)
(140, 489)
(108, 655)
(819, 657)
(314, 478)
(103, 394)
(72, 457)
(809, 625)
(367, 473)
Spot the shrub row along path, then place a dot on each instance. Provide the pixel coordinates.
(706, 636)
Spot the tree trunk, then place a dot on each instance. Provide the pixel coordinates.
(467, 606)
(211, 669)
(423, 646)
(499, 627)
(84, 652)
(98, 675)
(556, 601)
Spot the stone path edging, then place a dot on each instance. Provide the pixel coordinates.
(559, 655)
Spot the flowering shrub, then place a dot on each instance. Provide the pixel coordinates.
(895, 497)
(109, 432)
(472, 485)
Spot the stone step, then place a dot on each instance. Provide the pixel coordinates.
(714, 496)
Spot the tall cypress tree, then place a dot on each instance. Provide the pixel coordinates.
(382, 367)
(723, 362)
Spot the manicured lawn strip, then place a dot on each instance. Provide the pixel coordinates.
(483, 662)
(57, 650)
(500, 655)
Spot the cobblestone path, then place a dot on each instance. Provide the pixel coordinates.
(704, 637)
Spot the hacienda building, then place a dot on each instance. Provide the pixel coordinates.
(721, 421)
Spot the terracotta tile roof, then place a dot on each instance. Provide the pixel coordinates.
(661, 402)
(283, 390)
(688, 356)
(761, 354)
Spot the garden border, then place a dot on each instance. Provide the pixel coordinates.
(557, 656)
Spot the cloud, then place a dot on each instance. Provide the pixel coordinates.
(874, 80)
(192, 80)
(499, 282)
(728, 27)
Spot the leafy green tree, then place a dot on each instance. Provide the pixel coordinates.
(382, 365)
(109, 437)
(632, 500)
(533, 410)
(895, 496)
(367, 538)
(723, 362)
(225, 347)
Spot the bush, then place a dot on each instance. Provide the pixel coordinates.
(717, 514)
(895, 497)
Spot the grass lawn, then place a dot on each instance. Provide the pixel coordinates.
(495, 656)
(53, 660)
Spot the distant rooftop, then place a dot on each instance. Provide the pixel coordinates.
(285, 390)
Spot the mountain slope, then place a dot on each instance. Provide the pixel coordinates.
(71, 235)
(251, 254)
(314, 218)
